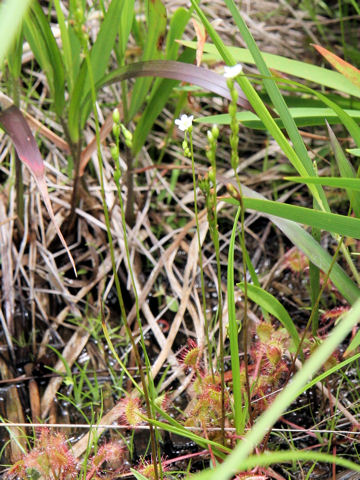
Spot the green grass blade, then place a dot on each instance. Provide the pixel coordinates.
(329, 372)
(238, 458)
(66, 45)
(125, 24)
(42, 42)
(307, 114)
(355, 342)
(178, 22)
(356, 6)
(11, 16)
(101, 50)
(316, 254)
(331, 222)
(273, 92)
(179, 429)
(263, 112)
(269, 303)
(310, 72)
(302, 116)
(156, 30)
(239, 416)
(292, 455)
(80, 102)
(314, 278)
(346, 170)
(14, 56)
(322, 76)
(71, 54)
(344, 115)
(351, 183)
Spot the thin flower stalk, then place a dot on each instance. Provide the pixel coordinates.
(211, 203)
(234, 141)
(148, 387)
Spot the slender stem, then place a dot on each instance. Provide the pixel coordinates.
(129, 209)
(150, 410)
(202, 281)
(221, 326)
(116, 278)
(246, 318)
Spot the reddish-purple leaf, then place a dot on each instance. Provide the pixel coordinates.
(184, 72)
(26, 147)
(25, 144)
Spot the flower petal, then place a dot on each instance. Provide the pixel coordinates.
(232, 72)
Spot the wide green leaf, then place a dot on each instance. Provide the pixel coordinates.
(331, 222)
(125, 23)
(305, 109)
(307, 71)
(303, 117)
(47, 53)
(80, 101)
(11, 15)
(312, 249)
(156, 31)
(345, 168)
(351, 183)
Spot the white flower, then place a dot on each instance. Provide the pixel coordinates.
(232, 72)
(184, 122)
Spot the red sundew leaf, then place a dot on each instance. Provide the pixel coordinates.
(348, 70)
(26, 147)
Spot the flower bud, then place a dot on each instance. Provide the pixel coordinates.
(114, 152)
(215, 131)
(233, 191)
(232, 110)
(116, 130)
(212, 175)
(116, 116)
